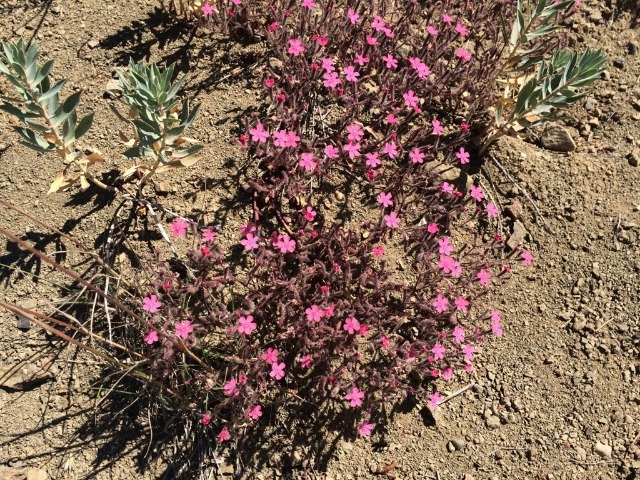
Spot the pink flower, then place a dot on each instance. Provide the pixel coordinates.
(259, 134)
(286, 244)
(527, 258)
(231, 388)
(353, 16)
(327, 65)
(351, 325)
(350, 73)
(331, 152)
(355, 397)
(250, 243)
(432, 31)
(373, 159)
(355, 132)
(463, 156)
(463, 54)
(384, 342)
(410, 99)
(392, 220)
(458, 334)
(372, 40)
(390, 149)
(444, 246)
(390, 61)
(468, 351)
(462, 30)
(310, 214)
(365, 429)
(378, 251)
(484, 277)
(206, 419)
(492, 211)
(361, 60)
(246, 325)
(446, 187)
(255, 412)
(310, 4)
(223, 436)
(416, 156)
(438, 351)
(446, 18)
(331, 79)
(305, 362)
(270, 356)
(277, 371)
(151, 337)
(462, 304)
(378, 23)
(209, 235)
(314, 313)
(385, 199)
(434, 400)
(437, 127)
(295, 47)
(353, 149)
(151, 304)
(207, 9)
(391, 118)
(292, 139)
(447, 374)
(433, 228)
(183, 329)
(179, 228)
(477, 193)
(280, 138)
(269, 82)
(441, 303)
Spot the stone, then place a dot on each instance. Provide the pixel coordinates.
(632, 47)
(581, 453)
(93, 43)
(557, 138)
(517, 236)
(493, 422)
(633, 157)
(275, 63)
(451, 174)
(24, 375)
(603, 450)
(514, 210)
(458, 444)
(619, 63)
(34, 474)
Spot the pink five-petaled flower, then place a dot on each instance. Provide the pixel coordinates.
(351, 325)
(434, 400)
(206, 419)
(207, 9)
(463, 54)
(462, 30)
(331, 79)
(307, 162)
(255, 412)
(438, 351)
(286, 244)
(492, 210)
(444, 246)
(441, 303)
(270, 356)
(433, 228)
(378, 251)
(373, 159)
(331, 152)
(231, 388)
(385, 199)
(365, 429)
(462, 304)
(295, 47)
(353, 16)
(183, 329)
(468, 351)
(446, 187)
(463, 156)
(392, 220)
(496, 327)
(355, 132)
(277, 371)
(484, 277)
(390, 149)
(251, 242)
(361, 59)
(355, 397)
(259, 134)
(292, 139)
(447, 374)
(416, 156)
(477, 193)
(371, 40)
(179, 227)
(353, 149)
(223, 436)
(209, 235)
(458, 334)
(151, 337)
(310, 214)
(437, 127)
(310, 4)
(410, 99)
(446, 18)
(151, 304)
(431, 30)
(350, 73)
(314, 313)
(390, 61)
(246, 325)
(527, 258)
(305, 361)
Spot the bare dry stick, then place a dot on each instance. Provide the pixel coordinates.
(457, 393)
(546, 224)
